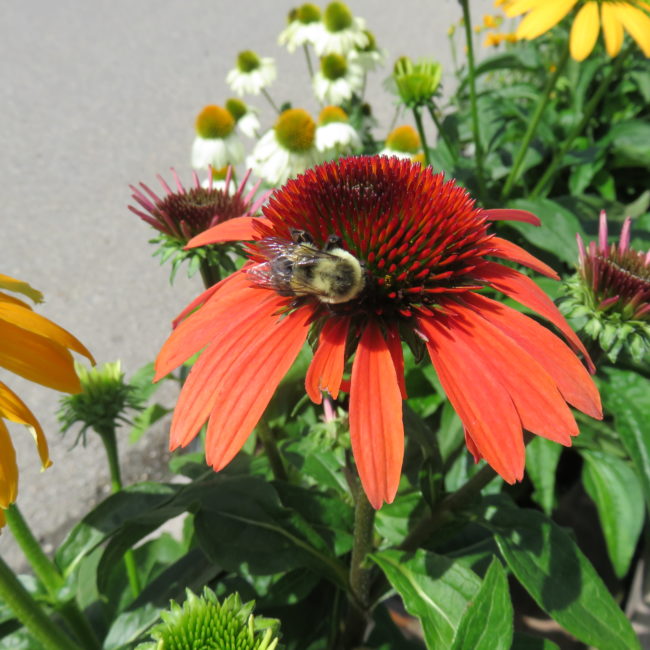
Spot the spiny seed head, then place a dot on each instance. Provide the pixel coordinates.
(247, 61)
(214, 122)
(337, 17)
(237, 108)
(404, 139)
(333, 66)
(332, 114)
(295, 130)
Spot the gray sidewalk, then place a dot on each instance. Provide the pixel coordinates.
(97, 95)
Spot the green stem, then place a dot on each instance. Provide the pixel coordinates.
(209, 274)
(423, 137)
(271, 448)
(360, 575)
(513, 176)
(110, 444)
(471, 73)
(441, 131)
(30, 613)
(310, 67)
(552, 169)
(270, 100)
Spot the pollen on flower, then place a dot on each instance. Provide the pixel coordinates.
(237, 108)
(333, 66)
(214, 122)
(332, 114)
(295, 130)
(308, 13)
(247, 61)
(403, 138)
(337, 17)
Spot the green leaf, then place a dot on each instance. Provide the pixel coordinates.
(487, 622)
(130, 626)
(627, 398)
(542, 457)
(629, 143)
(434, 588)
(551, 567)
(617, 493)
(527, 642)
(144, 420)
(395, 520)
(557, 234)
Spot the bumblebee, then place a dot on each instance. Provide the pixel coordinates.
(299, 268)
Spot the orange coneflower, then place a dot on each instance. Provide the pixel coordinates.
(422, 248)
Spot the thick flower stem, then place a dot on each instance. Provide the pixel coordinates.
(513, 176)
(552, 169)
(423, 137)
(30, 613)
(209, 274)
(471, 73)
(110, 444)
(271, 448)
(360, 578)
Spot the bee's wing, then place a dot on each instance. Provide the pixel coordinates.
(272, 247)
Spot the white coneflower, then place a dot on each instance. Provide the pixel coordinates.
(216, 142)
(304, 27)
(342, 31)
(337, 80)
(287, 150)
(335, 136)
(368, 57)
(245, 117)
(402, 142)
(251, 74)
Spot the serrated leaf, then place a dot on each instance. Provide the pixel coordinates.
(554, 571)
(617, 493)
(434, 588)
(487, 622)
(542, 457)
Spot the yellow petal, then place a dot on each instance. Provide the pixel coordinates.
(11, 284)
(14, 301)
(14, 409)
(612, 29)
(37, 324)
(3, 521)
(8, 468)
(519, 7)
(544, 17)
(584, 31)
(636, 23)
(38, 359)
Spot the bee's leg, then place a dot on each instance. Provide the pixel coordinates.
(301, 236)
(333, 241)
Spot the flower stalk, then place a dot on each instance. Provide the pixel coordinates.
(441, 131)
(423, 137)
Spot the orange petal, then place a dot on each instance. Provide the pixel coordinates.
(37, 358)
(479, 398)
(237, 229)
(376, 427)
(229, 337)
(509, 251)
(14, 301)
(541, 408)
(14, 409)
(503, 214)
(249, 381)
(573, 381)
(37, 324)
(326, 369)
(395, 346)
(522, 289)
(8, 468)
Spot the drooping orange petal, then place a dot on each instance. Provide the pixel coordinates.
(14, 409)
(508, 214)
(376, 426)
(522, 289)
(14, 301)
(249, 383)
(237, 229)
(573, 381)
(37, 324)
(471, 446)
(541, 408)
(479, 398)
(509, 251)
(326, 369)
(8, 468)
(395, 347)
(18, 286)
(38, 359)
(237, 300)
(229, 335)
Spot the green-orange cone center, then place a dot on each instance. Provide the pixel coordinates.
(214, 122)
(295, 130)
(332, 114)
(237, 108)
(333, 66)
(403, 139)
(247, 61)
(308, 13)
(337, 17)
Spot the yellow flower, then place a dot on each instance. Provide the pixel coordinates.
(493, 39)
(615, 16)
(39, 350)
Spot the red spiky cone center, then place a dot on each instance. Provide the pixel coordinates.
(418, 237)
